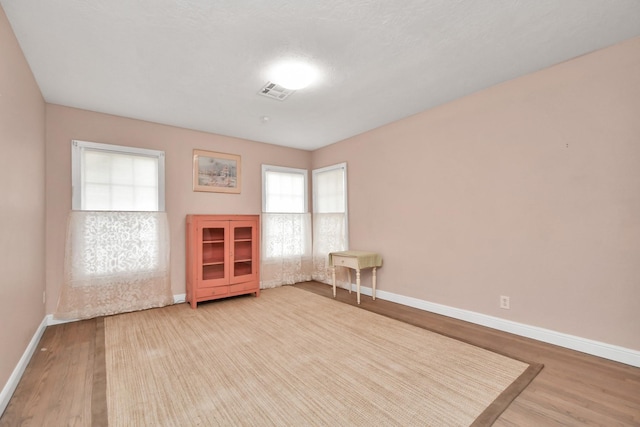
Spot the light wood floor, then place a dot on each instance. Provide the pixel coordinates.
(573, 389)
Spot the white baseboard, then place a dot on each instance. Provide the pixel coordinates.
(14, 379)
(177, 299)
(53, 321)
(584, 345)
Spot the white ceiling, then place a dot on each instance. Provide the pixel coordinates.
(199, 64)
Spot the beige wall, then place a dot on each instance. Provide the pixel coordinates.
(65, 124)
(529, 189)
(22, 202)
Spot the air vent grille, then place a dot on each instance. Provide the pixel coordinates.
(275, 91)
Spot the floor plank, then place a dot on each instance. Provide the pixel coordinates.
(54, 388)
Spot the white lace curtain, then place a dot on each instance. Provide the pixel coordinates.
(292, 252)
(286, 249)
(115, 262)
(329, 235)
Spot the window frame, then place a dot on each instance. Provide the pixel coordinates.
(78, 146)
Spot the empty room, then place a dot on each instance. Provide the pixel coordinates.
(327, 213)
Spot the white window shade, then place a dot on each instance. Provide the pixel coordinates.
(329, 190)
(116, 178)
(285, 190)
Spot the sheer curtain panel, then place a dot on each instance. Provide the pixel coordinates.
(115, 262)
(329, 235)
(286, 249)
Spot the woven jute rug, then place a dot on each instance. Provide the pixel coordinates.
(294, 358)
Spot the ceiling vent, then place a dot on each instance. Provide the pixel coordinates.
(275, 91)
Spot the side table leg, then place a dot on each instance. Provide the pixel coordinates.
(358, 284)
(349, 278)
(374, 284)
(333, 276)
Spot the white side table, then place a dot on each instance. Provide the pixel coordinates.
(356, 260)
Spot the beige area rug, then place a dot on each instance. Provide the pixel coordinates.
(294, 358)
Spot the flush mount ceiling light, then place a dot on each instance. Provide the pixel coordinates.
(293, 75)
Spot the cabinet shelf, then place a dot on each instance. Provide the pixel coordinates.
(243, 269)
(212, 272)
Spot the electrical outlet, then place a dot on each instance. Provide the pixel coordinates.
(504, 302)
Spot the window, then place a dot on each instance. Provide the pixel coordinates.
(330, 225)
(116, 178)
(117, 256)
(286, 227)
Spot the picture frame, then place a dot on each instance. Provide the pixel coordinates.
(216, 172)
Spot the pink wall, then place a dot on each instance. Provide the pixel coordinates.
(65, 124)
(22, 208)
(529, 189)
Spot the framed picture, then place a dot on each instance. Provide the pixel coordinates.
(216, 172)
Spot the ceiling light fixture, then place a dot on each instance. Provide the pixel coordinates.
(293, 75)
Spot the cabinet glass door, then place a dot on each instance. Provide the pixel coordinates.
(243, 235)
(213, 253)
